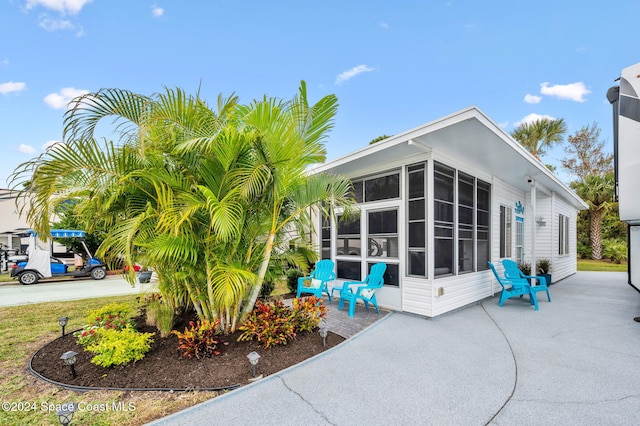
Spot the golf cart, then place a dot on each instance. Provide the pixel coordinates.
(41, 264)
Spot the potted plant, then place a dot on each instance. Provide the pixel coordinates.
(543, 267)
(525, 268)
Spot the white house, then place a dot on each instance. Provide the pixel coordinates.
(439, 201)
(10, 220)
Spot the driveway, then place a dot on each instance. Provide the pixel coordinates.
(576, 361)
(14, 294)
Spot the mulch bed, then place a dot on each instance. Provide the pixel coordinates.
(165, 367)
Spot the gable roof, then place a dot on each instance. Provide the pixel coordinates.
(468, 134)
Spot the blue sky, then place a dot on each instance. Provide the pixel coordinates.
(393, 65)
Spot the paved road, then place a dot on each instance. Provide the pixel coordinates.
(14, 294)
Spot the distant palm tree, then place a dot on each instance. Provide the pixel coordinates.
(598, 191)
(540, 135)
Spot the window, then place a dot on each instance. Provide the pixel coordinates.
(505, 231)
(384, 187)
(519, 239)
(443, 219)
(416, 221)
(348, 241)
(326, 237)
(357, 191)
(383, 233)
(563, 234)
(483, 206)
(391, 274)
(462, 208)
(349, 270)
(466, 241)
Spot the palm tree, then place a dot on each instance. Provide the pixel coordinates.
(599, 193)
(204, 197)
(540, 135)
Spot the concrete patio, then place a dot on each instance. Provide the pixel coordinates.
(576, 361)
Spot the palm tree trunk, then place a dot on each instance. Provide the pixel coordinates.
(255, 291)
(595, 234)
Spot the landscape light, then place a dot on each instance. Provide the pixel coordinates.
(323, 330)
(253, 359)
(65, 415)
(63, 322)
(69, 358)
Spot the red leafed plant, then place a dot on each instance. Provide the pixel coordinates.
(200, 339)
(269, 323)
(308, 312)
(276, 324)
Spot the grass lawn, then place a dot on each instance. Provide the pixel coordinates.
(29, 401)
(600, 266)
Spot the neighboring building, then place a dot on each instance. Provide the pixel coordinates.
(438, 202)
(10, 220)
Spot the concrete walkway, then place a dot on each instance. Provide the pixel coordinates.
(574, 362)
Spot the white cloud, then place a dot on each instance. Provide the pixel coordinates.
(528, 119)
(53, 144)
(12, 87)
(51, 25)
(532, 99)
(61, 99)
(384, 25)
(349, 74)
(504, 124)
(573, 91)
(26, 149)
(157, 11)
(64, 7)
(5, 62)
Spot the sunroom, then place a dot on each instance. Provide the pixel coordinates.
(439, 201)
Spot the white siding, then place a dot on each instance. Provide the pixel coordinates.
(504, 195)
(564, 265)
(417, 296)
(461, 290)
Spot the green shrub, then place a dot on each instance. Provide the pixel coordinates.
(292, 279)
(307, 313)
(267, 288)
(119, 347)
(200, 339)
(165, 315)
(614, 250)
(88, 335)
(108, 313)
(584, 251)
(110, 317)
(269, 324)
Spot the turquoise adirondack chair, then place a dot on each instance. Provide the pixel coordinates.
(366, 290)
(316, 283)
(513, 287)
(511, 270)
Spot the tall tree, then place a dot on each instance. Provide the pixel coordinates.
(204, 197)
(540, 135)
(586, 154)
(598, 192)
